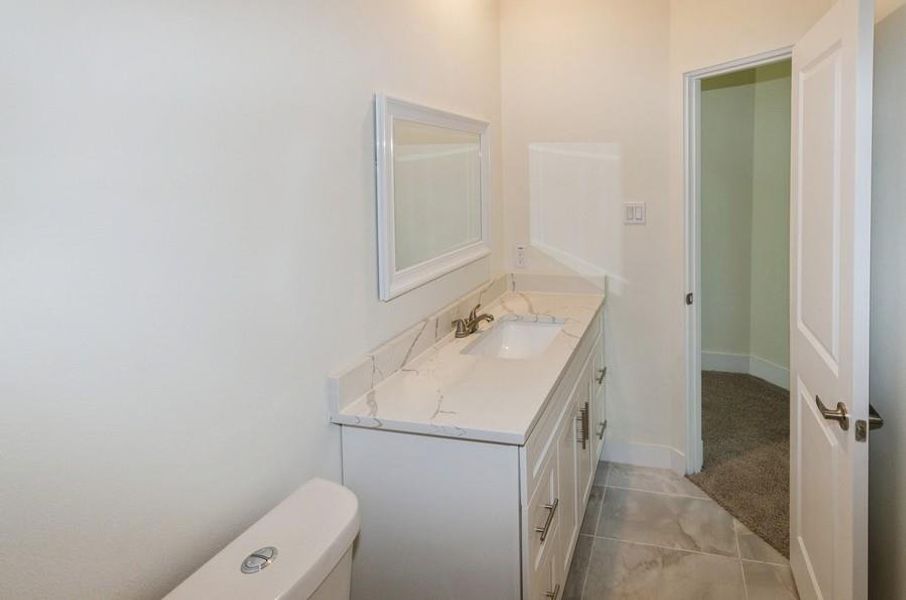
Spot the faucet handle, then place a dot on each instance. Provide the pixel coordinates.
(474, 314)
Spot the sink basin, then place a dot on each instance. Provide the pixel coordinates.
(515, 339)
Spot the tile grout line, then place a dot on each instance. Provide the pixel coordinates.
(742, 570)
(736, 537)
(736, 524)
(671, 494)
(678, 549)
(591, 552)
(764, 562)
(591, 549)
(613, 539)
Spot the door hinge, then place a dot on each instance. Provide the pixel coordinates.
(689, 298)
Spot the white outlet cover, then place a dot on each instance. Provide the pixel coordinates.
(521, 260)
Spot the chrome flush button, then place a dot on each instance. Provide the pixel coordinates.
(258, 560)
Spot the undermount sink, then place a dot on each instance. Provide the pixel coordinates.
(515, 339)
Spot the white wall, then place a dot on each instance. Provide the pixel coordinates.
(585, 71)
(887, 481)
(612, 72)
(187, 247)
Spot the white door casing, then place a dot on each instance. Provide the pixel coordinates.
(829, 291)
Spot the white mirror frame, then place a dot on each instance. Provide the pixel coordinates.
(393, 282)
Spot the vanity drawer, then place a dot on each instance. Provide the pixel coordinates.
(543, 515)
(547, 581)
(541, 443)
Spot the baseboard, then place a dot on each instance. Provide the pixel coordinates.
(644, 455)
(745, 363)
(770, 372)
(725, 362)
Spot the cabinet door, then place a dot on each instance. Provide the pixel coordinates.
(598, 396)
(570, 502)
(544, 513)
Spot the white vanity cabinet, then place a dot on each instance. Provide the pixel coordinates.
(564, 450)
(454, 518)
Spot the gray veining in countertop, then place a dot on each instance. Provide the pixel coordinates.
(448, 393)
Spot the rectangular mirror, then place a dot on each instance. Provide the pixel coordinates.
(432, 173)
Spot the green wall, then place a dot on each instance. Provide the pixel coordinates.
(727, 143)
(769, 330)
(745, 152)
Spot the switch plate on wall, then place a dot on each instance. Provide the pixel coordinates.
(634, 213)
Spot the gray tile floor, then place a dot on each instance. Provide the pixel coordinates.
(651, 534)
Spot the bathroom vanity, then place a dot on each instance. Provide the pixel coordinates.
(473, 458)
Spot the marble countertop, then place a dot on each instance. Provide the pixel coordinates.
(446, 392)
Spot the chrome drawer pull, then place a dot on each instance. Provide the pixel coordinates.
(602, 373)
(552, 509)
(585, 423)
(553, 595)
(601, 427)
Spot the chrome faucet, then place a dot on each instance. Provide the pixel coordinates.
(469, 325)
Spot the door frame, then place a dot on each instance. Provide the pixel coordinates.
(692, 210)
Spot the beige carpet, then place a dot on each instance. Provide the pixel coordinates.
(746, 433)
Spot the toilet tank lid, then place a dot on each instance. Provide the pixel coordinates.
(312, 529)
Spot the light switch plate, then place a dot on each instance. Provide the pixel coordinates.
(634, 213)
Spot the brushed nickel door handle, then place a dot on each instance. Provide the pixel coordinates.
(839, 414)
(552, 510)
(875, 420)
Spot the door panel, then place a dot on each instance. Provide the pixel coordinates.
(818, 234)
(816, 306)
(816, 462)
(830, 213)
(569, 497)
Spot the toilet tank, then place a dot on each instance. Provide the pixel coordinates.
(300, 550)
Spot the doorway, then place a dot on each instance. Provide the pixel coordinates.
(739, 116)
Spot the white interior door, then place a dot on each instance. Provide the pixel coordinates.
(830, 220)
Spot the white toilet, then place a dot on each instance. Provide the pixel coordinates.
(300, 550)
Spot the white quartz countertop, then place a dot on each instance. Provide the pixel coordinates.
(446, 392)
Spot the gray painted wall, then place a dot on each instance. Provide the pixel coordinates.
(887, 487)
